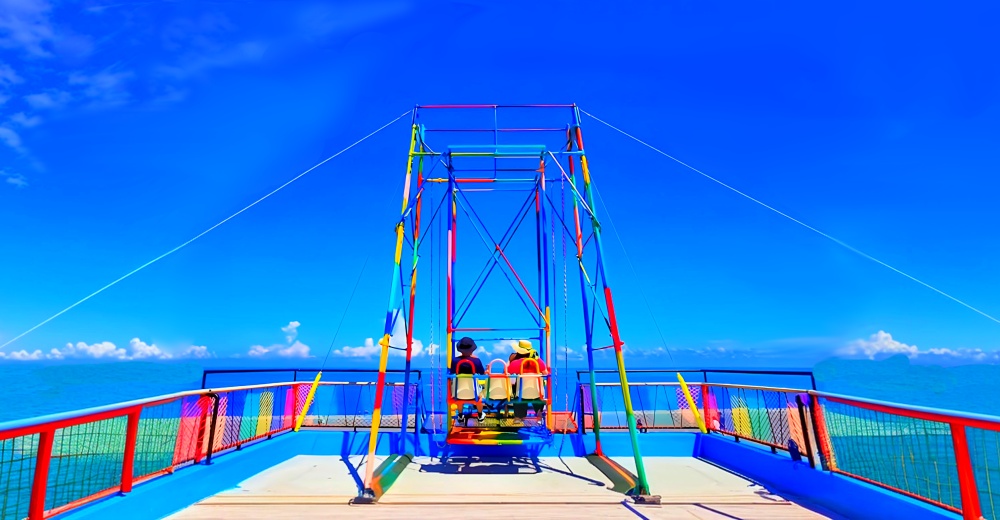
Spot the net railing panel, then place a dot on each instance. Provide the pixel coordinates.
(656, 406)
(17, 471)
(350, 406)
(763, 415)
(767, 416)
(250, 414)
(86, 460)
(984, 452)
(156, 439)
(911, 455)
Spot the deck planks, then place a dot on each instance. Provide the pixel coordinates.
(549, 487)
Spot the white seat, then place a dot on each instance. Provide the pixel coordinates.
(498, 388)
(465, 387)
(498, 383)
(530, 386)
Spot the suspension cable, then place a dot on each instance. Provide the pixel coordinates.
(203, 233)
(793, 219)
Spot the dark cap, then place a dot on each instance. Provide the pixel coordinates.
(466, 344)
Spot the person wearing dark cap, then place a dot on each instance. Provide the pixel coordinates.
(466, 347)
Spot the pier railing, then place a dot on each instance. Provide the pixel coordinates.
(56, 463)
(945, 458)
(52, 464)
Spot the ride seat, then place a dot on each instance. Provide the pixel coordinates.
(465, 384)
(498, 387)
(530, 386)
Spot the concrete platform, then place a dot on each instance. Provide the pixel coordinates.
(548, 487)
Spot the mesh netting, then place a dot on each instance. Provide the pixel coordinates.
(911, 455)
(86, 460)
(656, 407)
(248, 415)
(767, 416)
(156, 439)
(17, 470)
(984, 450)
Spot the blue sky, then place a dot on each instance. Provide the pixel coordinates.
(129, 127)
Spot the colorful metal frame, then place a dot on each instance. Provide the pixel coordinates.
(570, 161)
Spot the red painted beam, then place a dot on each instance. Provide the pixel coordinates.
(971, 509)
(36, 509)
(131, 433)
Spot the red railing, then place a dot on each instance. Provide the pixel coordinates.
(56, 463)
(945, 458)
(948, 459)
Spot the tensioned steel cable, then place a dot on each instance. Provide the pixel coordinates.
(203, 233)
(793, 219)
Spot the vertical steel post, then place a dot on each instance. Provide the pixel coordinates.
(36, 509)
(214, 424)
(128, 462)
(805, 430)
(971, 509)
(588, 318)
(389, 319)
(404, 415)
(642, 486)
(544, 284)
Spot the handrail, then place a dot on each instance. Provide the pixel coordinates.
(698, 383)
(706, 371)
(210, 371)
(19, 427)
(975, 420)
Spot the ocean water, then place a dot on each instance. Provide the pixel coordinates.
(31, 389)
(905, 453)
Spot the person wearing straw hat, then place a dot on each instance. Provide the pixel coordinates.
(523, 350)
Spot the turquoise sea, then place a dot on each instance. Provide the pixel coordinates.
(32, 389)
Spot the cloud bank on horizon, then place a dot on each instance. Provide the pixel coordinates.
(879, 345)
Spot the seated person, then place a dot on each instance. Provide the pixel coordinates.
(466, 346)
(523, 350)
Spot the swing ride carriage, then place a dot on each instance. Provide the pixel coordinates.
(455, 180)
(500, 219)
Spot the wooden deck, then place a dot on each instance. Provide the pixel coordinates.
(320, 486)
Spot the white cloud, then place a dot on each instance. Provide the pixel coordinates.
(258, 351)
(48, 100)
(24, 120)
(196, 352)
(105, 88)
(22, 355)
(370, 349)
(291, 331)
(879, 344)
(8, 76)
(11, 139)
(25, 25)
(292, 349)
(102, 350)
(297, 349)
(14, 179)
(143, 350)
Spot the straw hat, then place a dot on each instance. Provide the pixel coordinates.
(523, 347)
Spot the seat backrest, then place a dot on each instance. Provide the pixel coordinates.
(530, 385)
(498, 387)
(465, 384)
(465, 387)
